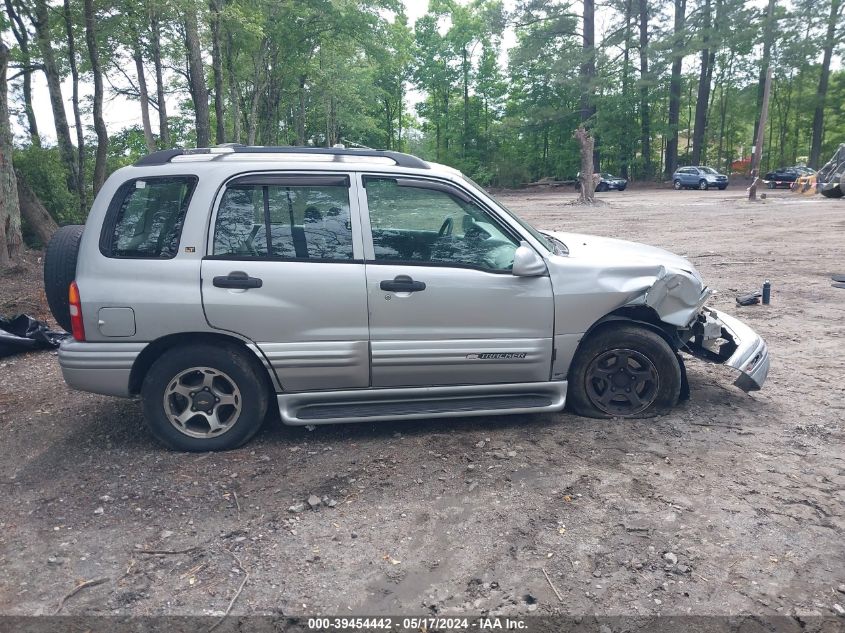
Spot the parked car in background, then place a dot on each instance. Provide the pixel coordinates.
(698, 177)
(786, 176)
(609, 182)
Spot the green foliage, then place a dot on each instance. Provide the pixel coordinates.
(43, 171)
(356, 72)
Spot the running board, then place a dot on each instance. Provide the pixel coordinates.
(409, 403)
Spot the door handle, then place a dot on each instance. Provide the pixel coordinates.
(237, 279)
(402, 283)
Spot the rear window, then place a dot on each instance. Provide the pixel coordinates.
(285, 218)
(146, 216)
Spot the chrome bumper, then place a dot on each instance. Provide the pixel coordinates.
(751, 356)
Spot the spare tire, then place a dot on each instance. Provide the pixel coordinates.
(60, 270)
(832, 192)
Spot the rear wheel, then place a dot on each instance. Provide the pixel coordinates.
(204, 398)
(677, 185)
(624, 371)
(702, 185)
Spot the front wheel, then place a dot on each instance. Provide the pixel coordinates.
(771, 184)
(624, 371)
(204, 398)
(702, 185)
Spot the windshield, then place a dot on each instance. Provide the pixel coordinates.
(543, 239)
(608, 176)
(708, 170)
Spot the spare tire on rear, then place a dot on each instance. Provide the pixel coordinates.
(60, 270)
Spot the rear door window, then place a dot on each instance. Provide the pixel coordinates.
(285, 218)
(145, 217)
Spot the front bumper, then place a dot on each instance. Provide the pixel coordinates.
(747, 352)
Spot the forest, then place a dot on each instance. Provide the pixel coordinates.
(658, 83)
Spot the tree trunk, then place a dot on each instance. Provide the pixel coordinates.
(10, 213)
(22, 36)
(758, 141)
(37, 217)
(645, 115)
(768, 40)
(821, 97)
(587, 70)
(216, 7)
(81, 186)
(465, 63)
(99, 122)
(625, 143)
(585, 176)
(234, 97)
(144, 96)
(51, 71)
(703, 102)
(675, 88)
(300, 115)
(155, 41)
(196, 78)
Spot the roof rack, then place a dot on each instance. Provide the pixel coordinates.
(165, 156)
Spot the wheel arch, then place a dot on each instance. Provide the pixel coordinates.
(155, 349)
(645, 317)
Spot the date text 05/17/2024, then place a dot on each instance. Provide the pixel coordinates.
(417, 623)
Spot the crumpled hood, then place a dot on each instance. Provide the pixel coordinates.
(615, 252)
(617, 273)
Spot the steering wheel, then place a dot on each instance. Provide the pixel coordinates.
(446, 227)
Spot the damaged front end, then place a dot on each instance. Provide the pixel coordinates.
(719, 338)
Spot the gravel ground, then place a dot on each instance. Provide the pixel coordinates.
(733, 504)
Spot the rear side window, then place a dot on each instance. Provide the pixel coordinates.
(146, 216)
(284, 218)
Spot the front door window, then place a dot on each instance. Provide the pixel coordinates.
(413, 223)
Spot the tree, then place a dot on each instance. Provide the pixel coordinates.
(675, 87)
(830, 40)
(99, 122)
(10, 214)
(77, 117)
(645, 79)
(51, 72)
(196, 77)
(19, 30)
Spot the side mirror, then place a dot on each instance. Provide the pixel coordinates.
(527, 263)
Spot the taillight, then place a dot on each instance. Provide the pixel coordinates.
(75, 304)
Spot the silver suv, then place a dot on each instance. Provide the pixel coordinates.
(359, 285)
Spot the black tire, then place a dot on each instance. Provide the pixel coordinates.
(646, 353)
(702, 185)
(231, 364)
(723, 188)
(602, 187)
(677, 185)
(833, 192)
(60, 269)
(771, 184)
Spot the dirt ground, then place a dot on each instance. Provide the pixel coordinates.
(733, 504)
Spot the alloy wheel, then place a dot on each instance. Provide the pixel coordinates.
(202, 402)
